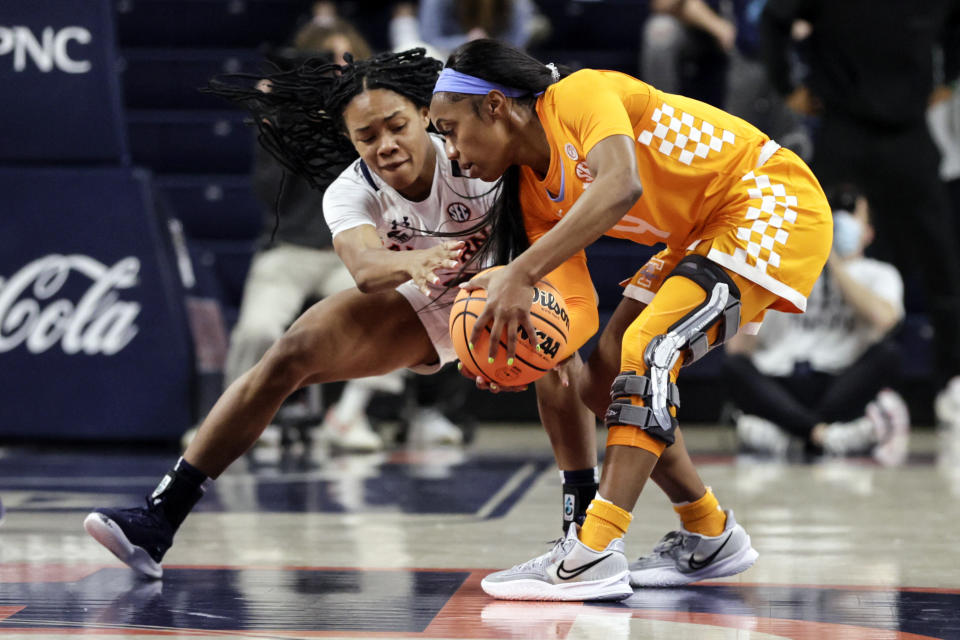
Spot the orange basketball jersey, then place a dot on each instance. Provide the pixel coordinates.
(708, 177)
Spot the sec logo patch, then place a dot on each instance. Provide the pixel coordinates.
(459, 212)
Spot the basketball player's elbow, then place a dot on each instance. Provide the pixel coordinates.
(623, 188)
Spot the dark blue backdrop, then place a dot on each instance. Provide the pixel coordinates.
(61, 95)
(93, 339)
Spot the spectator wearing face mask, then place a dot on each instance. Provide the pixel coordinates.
(824, 381)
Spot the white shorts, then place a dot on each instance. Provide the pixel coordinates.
(435, 316)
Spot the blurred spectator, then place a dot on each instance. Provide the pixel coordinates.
(685, 49)
(405, 30)
(870, 79)
(943, 116)
(749, 93)
(446, 24)
(329, 33)
(821, 376)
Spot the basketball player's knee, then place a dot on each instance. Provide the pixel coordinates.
(649, 400)
(288, 362)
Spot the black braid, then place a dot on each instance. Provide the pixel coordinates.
(300, 120)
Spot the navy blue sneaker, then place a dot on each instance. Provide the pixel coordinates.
(138, 536)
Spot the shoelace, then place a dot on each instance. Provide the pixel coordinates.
(142, 516)
(546, 558)
(669, 542)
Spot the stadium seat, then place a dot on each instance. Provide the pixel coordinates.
(172, 78)
(206, 23)
(191, 141)
(213, 206)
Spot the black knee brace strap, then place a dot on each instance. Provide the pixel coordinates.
(621, 412)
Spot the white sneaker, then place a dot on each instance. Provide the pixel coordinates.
(569, 571)
(858, 436)
(946, 406)
(760, 435)
(352, 435)
(430, 427)
(682, 557)
(894, 445)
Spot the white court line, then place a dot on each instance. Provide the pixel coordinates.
(521, 474)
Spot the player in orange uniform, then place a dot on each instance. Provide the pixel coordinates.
(747, 228)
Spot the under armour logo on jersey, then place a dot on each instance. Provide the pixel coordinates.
(693, 138)
(397, 232)
(459, 212)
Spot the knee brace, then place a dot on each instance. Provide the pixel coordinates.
(687, 338)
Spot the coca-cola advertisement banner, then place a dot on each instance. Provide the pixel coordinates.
(93, 336)
(61, 90)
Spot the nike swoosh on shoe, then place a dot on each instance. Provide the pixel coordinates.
(576, 572)
(696, 565)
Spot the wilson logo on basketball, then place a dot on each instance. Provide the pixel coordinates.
(550, 302)
(531, 359)
(99, 322)
(459, 212)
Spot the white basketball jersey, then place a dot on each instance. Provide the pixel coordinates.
(358, 196)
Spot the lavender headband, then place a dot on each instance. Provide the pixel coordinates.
(456, 82)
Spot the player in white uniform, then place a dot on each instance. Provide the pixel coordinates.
(385, 211)
(359, 202)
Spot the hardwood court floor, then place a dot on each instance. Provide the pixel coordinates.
(394, 545)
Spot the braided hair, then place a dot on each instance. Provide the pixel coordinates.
(300, 116)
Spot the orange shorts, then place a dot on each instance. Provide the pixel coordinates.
(775, 229)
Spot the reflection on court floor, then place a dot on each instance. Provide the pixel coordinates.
(395, 545)
(444, 603)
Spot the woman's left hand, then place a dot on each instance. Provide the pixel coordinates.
(507, 308)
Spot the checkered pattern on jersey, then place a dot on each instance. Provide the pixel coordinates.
(771, 221)
(681, 136)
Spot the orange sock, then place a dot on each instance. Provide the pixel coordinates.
(702, 516)
(605, 521)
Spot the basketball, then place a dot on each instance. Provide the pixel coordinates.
(550, 319)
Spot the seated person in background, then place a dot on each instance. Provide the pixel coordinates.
(685, 48)
(445, 24)
(824, 378)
